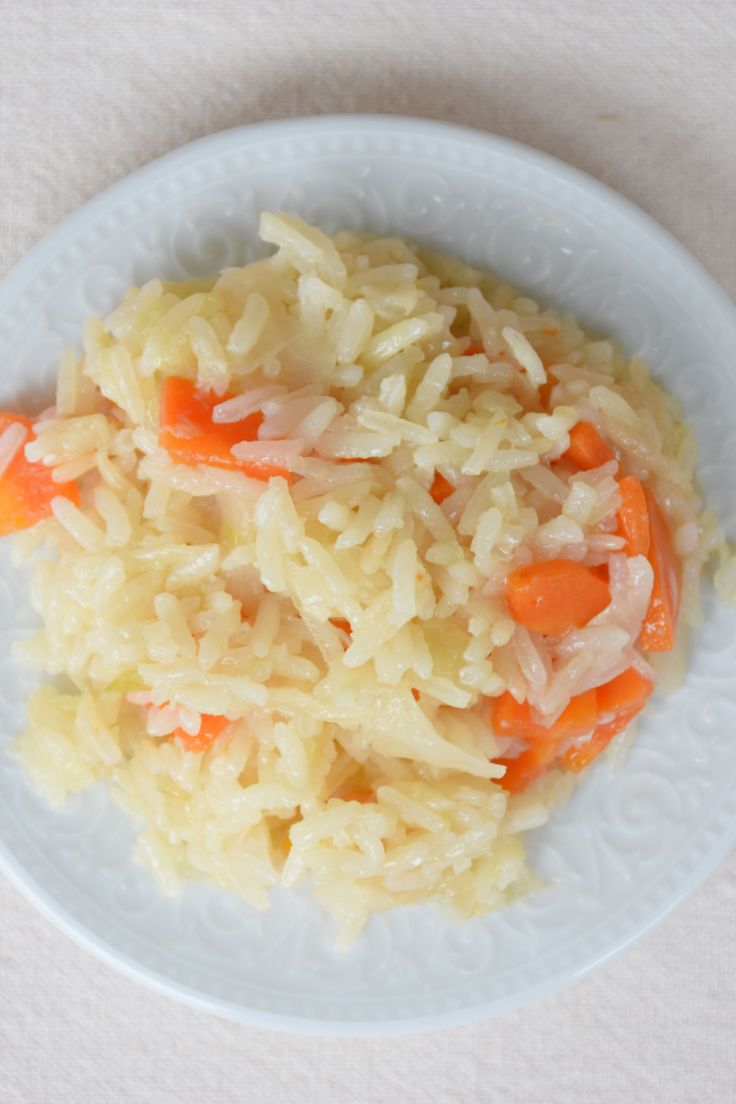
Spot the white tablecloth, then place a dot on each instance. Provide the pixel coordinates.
(641, 93)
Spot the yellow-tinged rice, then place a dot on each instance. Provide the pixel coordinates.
(176, 592)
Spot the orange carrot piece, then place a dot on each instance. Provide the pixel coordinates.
(415, 693)
(628, 692)
(511, 718)
(619, 701)
(441, 488)
(191, 437)
(474, 348)
(633, 517)
(660, 624)
(27, 489)
(210, 728)
(345, 626)
(514, 719)
(587, 448)
(555, 595)
(527, 767)
(530, 765)
(188, 432)
(578, 758)
(341, 623)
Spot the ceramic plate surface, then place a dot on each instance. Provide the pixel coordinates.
(631, 843)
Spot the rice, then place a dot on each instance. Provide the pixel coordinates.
(12, 440)
(526, 354)
(328, 630)
(249, 326)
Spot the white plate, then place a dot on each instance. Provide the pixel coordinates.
(631, 844)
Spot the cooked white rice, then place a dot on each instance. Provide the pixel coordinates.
(175, 591)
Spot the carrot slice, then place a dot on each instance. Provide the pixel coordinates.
(587, 448)
(345, 626)
(555, 595)
(210, 728)
(188, 432)
(415, 694)
(341, 623)
(191, 437)
(620, 700)
(660, 624)
(27, 489)
(527, 767)
(628, 692)
(513, 719)
(578, 758)
(441, 488)
(633, 517)
(474, 348)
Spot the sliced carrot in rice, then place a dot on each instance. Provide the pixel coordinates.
(628, 692)
(188, 432)
(554, 596)
(191, 437)
(587, 448)
(576, 759)
(474, 348)
(341, 623)
(210, 728)
(344, 626)
(527, 767)
(510, 718)
(441, 488)
(633, 517)
(27, 488)
(618, 702)
(598, 715)
(513, 719)
(660, 624)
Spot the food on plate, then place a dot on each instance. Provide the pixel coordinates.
(349, 562)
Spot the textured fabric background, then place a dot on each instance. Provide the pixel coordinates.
(641, 93)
